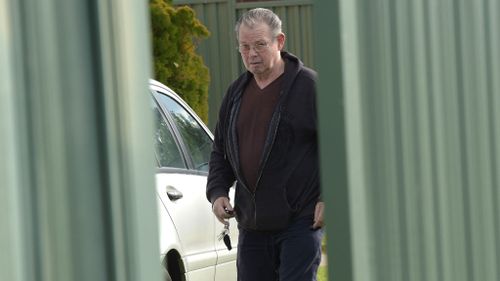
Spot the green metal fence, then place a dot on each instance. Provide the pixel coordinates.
(410, 126)
(219, 51)
(77, 199)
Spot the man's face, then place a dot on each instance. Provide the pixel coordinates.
(259, 49)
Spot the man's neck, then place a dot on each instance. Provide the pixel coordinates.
(264, 80)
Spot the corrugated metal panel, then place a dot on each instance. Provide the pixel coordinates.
(75, 165)
(219, 50)
(419, 92)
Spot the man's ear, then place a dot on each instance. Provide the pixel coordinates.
(281, 41)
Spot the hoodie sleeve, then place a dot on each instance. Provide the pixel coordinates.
(220, 173)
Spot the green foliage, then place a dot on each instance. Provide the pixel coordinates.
(176, 33)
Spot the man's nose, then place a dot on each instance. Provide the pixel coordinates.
(252, 51)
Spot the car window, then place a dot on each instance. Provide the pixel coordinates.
(167, 151)
(198, 142)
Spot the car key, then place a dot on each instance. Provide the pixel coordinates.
(224, 235)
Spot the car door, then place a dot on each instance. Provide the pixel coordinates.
(182, 191)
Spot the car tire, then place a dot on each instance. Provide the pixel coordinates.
(167, 276)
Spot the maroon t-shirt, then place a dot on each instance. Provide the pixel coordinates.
(256, 111)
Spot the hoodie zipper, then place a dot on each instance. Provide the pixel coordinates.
(261, 171)
(230, 153)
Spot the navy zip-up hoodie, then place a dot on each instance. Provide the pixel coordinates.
(288, 180)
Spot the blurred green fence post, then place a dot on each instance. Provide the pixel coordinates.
(409, 136)
(77, 199)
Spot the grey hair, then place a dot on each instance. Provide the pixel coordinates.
(259, 15)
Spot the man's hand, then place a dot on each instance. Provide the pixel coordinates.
(222, 209)
(318, 215)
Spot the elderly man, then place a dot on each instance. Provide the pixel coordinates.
(266, 141)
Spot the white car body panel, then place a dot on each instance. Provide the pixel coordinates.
(187, 224)
(190, 224)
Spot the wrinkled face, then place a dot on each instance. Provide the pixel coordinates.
(260, 50)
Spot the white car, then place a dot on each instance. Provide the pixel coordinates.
(189, 245)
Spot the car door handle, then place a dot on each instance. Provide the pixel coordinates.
(173, 193)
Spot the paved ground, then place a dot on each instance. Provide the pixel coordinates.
(323, 260)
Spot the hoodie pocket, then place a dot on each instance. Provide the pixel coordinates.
(272, 211)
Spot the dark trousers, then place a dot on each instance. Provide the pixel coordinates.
(293, 254)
